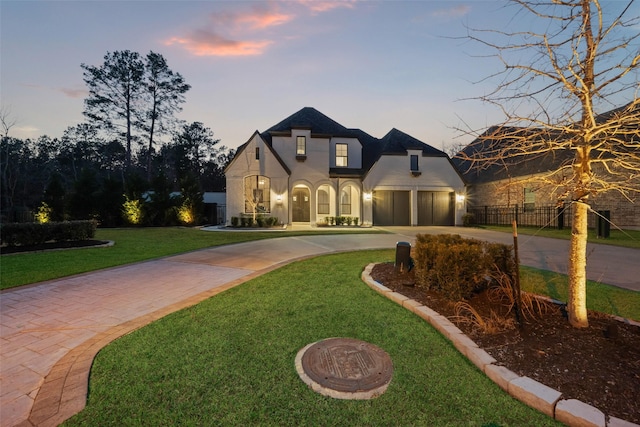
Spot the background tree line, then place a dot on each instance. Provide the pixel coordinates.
(130, 151)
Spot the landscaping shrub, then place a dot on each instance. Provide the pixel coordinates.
(247, 221)
(339, 220)
(468, 219)
(29, 234)
(458, 267)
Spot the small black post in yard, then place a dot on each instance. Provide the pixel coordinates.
(603, 224)
(561, 218)
(516, 287)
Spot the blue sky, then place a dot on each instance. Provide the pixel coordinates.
(373, 65)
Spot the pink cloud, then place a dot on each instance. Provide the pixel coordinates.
(320, 6)
(207, 43)
(215, 39)
(258, 17)
(74, 93)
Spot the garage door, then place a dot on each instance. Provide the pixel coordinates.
(435, 208)
(391, 208)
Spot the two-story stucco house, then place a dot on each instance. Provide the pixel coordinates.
(309, 167)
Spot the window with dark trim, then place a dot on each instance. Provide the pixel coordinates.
(257, 153)
(301, 146)
(414, 163)
(342, 156)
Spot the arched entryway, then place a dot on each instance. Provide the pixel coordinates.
(301, 204)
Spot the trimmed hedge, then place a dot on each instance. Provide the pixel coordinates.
(247, 221)
(458, 267)
(33, 233)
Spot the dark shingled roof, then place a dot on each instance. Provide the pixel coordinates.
(497, 139)
(398, 142)
(310, 118)
(395, 142)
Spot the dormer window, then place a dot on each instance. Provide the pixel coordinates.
(342, 156)
(301, 148)
(257, 153)
(414, 167)
(414, 163)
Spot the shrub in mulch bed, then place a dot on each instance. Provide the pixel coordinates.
(458, 267)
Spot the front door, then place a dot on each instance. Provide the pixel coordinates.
(301, 204)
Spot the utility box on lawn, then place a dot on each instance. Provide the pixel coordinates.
(403, 257)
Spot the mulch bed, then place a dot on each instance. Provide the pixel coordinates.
(598, 365)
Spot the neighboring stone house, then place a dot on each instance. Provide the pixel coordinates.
(534, 185)
(308, 168)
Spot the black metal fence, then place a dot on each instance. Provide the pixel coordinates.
(540, 216)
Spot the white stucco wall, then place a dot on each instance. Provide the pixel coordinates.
(245, 164)
(312, 172)
(392, 172)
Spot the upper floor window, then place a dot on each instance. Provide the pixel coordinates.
(414, 163)
(342, 158)
(257, 153)
(301, 146)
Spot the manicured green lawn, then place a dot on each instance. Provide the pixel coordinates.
(600, 297)
(132, 245)
(625, 238)
(230, 360)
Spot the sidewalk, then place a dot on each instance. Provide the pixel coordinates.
(50, 331)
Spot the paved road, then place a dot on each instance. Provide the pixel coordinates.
(43, 324)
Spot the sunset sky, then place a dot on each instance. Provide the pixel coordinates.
(373, 65)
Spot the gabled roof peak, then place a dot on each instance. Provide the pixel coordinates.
(398, 142)
(310, 118)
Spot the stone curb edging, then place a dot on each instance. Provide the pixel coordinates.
(571, 412)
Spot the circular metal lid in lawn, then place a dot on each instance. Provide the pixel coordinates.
(345, 368)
